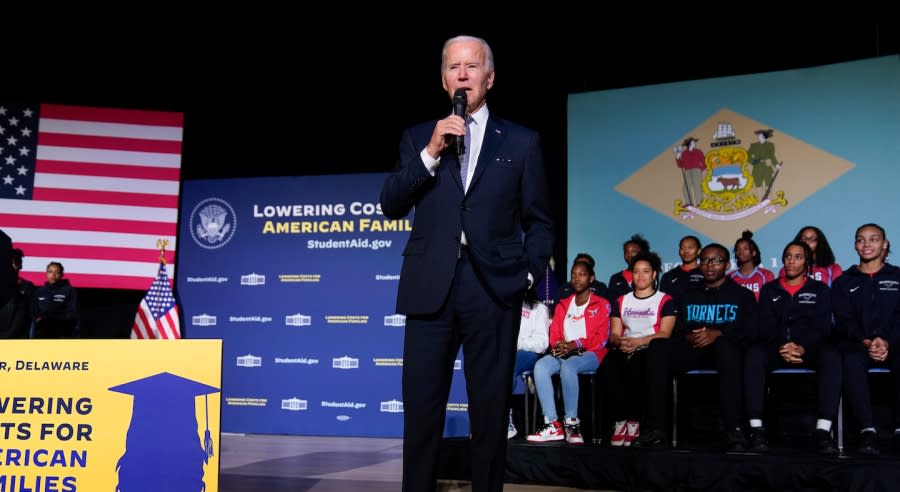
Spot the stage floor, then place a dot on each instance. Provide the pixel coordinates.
(332, 464)
(323, 464)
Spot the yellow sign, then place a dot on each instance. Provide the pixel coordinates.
(107, 415)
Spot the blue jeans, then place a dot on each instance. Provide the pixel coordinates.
(568, 370)
(524, 362)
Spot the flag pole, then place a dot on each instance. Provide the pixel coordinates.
(161, 246)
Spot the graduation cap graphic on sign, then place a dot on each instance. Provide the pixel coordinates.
(162, 448)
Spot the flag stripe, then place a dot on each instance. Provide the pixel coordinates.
(107, 197)
(97, 183)
(111, 170)
(96, 281)
(89, 252)
(146, 320)
(86, 265)
(142, 320)
(83, 224)
(110, 143)
(89, 210)
(86, 238)
(110, 115)
(103, 156)
(167, 327)
(93, 188)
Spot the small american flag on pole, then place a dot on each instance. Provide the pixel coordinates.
(157, 316)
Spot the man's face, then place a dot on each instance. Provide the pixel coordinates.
(713, 265)
(464, 68)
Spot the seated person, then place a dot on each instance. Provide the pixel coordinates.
(55, 305)
(638, 317)
(866, 300)
(824, 268)
(533, 339)
(748, 272)
(620, 282)
(597, 287)
(578, 335)
(714, 323)
(684, 276)
(794, 324)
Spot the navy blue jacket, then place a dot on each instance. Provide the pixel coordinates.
(57, 306)
(618, 286)
(865, 306)
(505, 214)
(677, 281)
(804, 318)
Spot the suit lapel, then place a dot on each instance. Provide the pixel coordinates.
(493, 137)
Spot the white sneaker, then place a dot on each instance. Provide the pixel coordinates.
(619, 432)
(573, 431)
(633, 430)
(511, 430)
(551, 431)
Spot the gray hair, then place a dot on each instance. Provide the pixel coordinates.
(488, 53)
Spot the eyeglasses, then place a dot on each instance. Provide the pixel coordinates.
(715, 260)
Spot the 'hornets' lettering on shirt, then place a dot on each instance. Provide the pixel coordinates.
(711, 313)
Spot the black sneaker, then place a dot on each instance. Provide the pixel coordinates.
(824, 442)
(868, 443)
(650, 439)
(734, 440)
(758, 441)
(896, 441)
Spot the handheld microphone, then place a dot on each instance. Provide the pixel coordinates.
(460, 102)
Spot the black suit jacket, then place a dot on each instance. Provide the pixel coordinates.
(505, 215)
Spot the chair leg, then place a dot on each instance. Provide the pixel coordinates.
(527, 406)
(595, 438)
(674, 412)
(840, 426)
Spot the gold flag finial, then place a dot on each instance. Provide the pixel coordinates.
(161, 245)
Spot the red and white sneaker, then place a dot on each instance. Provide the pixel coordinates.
(632, 431)
(573, 431)
(618, 435)
(551, 431)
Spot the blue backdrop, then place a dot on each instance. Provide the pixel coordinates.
(298, 277)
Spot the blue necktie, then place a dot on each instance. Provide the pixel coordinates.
(464, 159)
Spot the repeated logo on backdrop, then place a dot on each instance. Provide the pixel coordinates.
(307, 305)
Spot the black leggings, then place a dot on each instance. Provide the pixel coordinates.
(762, 358)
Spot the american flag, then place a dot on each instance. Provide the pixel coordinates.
(91, 188)
(157, 316)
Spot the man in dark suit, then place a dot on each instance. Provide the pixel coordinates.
(482, 234)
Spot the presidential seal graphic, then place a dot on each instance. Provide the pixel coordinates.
(213, 223)
(731, 173)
